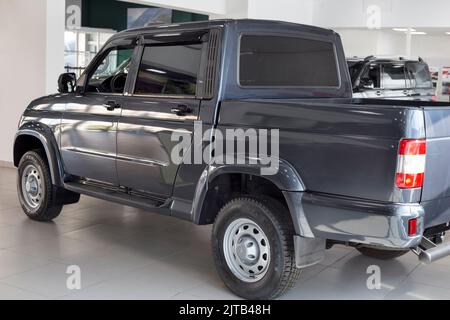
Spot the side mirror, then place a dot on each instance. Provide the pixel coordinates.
(67, 82)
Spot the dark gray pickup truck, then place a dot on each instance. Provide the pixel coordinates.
(372, 174)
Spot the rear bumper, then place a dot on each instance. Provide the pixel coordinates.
(357, 221)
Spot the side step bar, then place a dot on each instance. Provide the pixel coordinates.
(429, 252)
(118, 197)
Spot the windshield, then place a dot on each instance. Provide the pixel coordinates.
(419, 75)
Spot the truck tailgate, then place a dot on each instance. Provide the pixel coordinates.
(436, 189)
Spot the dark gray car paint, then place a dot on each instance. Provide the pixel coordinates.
(342, 153)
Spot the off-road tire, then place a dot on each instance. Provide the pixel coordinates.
(274, 220)
(48, 208)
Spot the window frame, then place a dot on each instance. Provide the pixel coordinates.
(99, 59)
(139, 58)
(156, 39)
(285, 35)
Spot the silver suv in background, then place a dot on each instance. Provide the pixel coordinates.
(391, 78)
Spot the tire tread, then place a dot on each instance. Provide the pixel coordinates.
(50, 211)
(282, 222)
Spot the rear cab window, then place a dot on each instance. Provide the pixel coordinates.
(285, 61)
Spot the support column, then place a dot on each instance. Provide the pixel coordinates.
(55, 26)
(408, 42)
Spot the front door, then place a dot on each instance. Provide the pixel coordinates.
(163, 101)
(89, 125)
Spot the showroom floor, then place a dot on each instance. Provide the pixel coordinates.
(125, 253)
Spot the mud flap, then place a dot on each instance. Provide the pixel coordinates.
(63, 197)
(308, 251)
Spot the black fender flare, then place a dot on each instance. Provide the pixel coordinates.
(287, 179)
(47, 138)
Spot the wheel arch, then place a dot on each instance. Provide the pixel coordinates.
(215, 180)
(32, 135)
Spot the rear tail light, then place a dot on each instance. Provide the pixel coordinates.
(433, 98)
(411, 163)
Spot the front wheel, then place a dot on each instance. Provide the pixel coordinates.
(253, 247)
(35, 189)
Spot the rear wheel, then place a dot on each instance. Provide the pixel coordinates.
(37, 195)
(380, 253)
(254, 249)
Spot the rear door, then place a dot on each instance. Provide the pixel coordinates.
(162, 101)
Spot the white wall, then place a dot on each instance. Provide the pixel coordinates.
(352, 40)
(360, 42)
(394, 13)
(22, 53)
(28, 31)
(232, 9)
(434, 49)
(299, 11)
(54, 43)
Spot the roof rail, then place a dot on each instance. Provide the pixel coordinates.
(393, 57)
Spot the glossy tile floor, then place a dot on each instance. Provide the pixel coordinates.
(125, 253)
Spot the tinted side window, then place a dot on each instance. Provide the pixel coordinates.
(287, 61)
(170, 70)
(419, 75)
(394, 76)
(111, 74)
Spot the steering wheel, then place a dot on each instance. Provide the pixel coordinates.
(117, 83)
(105, 85)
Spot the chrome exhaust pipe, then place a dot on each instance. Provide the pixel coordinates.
(430, 252)
(436, 253)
